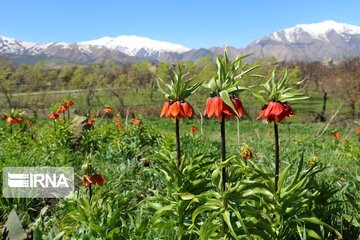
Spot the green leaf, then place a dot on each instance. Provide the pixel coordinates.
(317, 221)
(225, 96)
(186, 196)
(226, 216)
(203, 208)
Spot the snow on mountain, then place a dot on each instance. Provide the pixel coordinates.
(316, 31)
(310, 42)
(303, 42)
(131, 45)
(13, 46)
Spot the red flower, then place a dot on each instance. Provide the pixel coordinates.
(69, 104)
(3, 116)
(54, 116)
(165, 110)
(119, 126)
(98, 179)
(117, 119)
(94, 179)
(177, 109)
(336, 134)
(187, 109)
(20, 120)
(238, 106)
(215, 106)
(107, 110)
(11, 120)
(30, 122)
(193, 129)
(137, 122)
(275, 111)
(90, 122)
(62, 108)
(357, 130)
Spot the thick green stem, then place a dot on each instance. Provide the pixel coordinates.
(277, 160)
(177, 132)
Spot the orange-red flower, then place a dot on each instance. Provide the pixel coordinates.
(275, 111)
(193, 129)
(11, 120)
(107, 110)
(119, 126)
(69, 103)
(54, 116)
(177, 109)
(94, 179)
(215, 106)
(98, 179)
(336, 134)
(238, 106)
(62, 108)
(117, 119)
(19, 119)
(137, 122)
(30, 122)
(357, 129)
(90, 122)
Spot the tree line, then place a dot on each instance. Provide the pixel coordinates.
(329, 79)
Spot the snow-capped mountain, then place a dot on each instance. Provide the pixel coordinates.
(304, 42)
(121, 48)
(317, 31)
(310, 42)
(13, 46)
(136, 46)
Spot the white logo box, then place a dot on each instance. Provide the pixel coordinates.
(38, 182)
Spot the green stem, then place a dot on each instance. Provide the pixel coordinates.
(277, 160)
(177, 132)
(223, 170)
(223, 152)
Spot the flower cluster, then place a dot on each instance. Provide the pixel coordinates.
(216, 106)
(61, 109)
(12, 119)
(15, 117)
(275, 111)
(137, 122)
(107, 110)
(179, 109)
(118, 125)
(91, 177)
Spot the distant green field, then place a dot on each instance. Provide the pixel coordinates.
(141, 102)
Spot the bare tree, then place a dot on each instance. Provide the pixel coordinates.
(348, 75)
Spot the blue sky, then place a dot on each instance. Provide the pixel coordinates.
(193, 23)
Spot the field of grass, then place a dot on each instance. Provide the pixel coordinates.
(319, 198)
(140, 102)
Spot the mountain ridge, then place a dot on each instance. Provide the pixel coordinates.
(303, 42)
